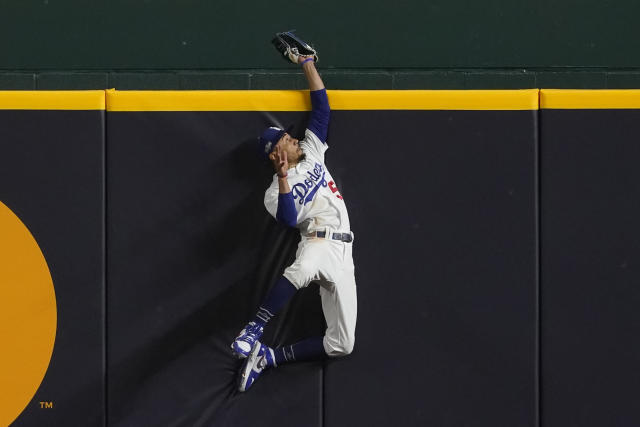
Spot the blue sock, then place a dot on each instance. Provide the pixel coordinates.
(309, 349)
(281, 292)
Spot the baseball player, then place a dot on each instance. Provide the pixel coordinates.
(304, 195)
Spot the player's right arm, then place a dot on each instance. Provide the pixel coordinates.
(311, 73)
(320, 111)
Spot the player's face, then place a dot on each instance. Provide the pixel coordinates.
(291, 146)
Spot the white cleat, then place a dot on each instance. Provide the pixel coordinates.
(255, 364)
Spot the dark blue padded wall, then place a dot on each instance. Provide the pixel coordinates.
(443, 204)
(590, 273)
(191, 253)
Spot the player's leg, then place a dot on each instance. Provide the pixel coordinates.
(298, 275)
(277, 297)
(332, 266)
(263, 357)
(339, 303)
(317, 261)
(340, 307)
(302, 351)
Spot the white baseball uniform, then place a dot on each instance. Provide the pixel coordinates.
(321, 208)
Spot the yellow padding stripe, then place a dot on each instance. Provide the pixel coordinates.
(565, 99)
(288, 100)
(52, 100)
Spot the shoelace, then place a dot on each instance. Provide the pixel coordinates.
(252, 332)
(262, 362)
(256, 328)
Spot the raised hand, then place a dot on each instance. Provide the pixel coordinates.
(280, 162)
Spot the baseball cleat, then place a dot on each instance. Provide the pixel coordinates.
(244, 342)
(260, 358)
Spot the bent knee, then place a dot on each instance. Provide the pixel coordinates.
(307, 270)
(301, 273)
(339, 349)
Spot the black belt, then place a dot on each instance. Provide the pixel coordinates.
(343, 237)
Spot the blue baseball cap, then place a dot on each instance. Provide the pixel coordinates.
(269, 138)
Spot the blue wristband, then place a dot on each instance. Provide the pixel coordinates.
(306, 60)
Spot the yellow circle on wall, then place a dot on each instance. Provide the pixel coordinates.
(28, 316)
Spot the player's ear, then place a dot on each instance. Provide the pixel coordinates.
(272, 155)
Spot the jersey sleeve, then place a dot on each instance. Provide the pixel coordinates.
(320, 112)
(288, 214)
(271, 200)
(313, 146)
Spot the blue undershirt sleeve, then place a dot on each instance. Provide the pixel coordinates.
(286, 213)
(320, 111)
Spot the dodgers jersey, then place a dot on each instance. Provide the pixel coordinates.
(318, 202)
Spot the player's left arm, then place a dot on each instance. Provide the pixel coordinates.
(320, 111)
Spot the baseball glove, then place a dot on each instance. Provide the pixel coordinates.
(292, 47)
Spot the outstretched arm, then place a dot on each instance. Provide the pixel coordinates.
(310, 72)
(319, 121)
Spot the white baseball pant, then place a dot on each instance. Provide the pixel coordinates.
(330, 263)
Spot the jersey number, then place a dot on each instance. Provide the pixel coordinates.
(334, 189)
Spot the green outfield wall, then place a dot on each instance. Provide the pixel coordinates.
(198, 44)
